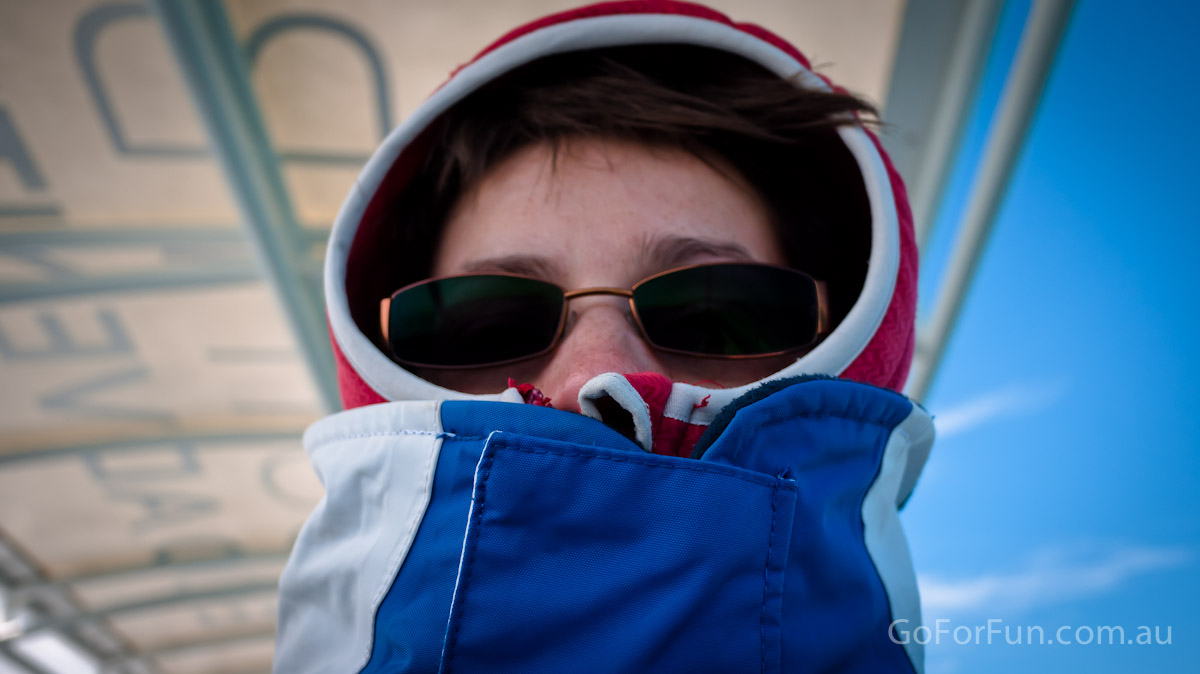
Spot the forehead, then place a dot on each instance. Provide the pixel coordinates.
(605, 212)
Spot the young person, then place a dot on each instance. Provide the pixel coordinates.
(664, 225)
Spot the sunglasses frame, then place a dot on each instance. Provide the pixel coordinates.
(568, 295)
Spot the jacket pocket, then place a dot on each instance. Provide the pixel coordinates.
(585, 559)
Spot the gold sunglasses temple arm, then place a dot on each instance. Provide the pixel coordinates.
(385, 308)
(822, 308)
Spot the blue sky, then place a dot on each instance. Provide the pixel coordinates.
(1065, 486)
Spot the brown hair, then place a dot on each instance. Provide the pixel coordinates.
(780, 136)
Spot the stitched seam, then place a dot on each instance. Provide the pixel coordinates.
(762, 619)
(764, 481)
(442, 435)
(469, 560)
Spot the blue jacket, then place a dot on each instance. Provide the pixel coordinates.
(478, 536)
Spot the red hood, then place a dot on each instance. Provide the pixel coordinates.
(872, 344)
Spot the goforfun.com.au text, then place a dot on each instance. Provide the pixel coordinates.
(996, 631)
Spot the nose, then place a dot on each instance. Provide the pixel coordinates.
(600, 338)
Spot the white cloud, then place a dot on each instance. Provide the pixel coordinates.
(1053, 576)
(1011, 400)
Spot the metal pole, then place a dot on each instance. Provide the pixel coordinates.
(938, 65)
(212, 61)
(1044, 29)
(24, 622)
(962, 80)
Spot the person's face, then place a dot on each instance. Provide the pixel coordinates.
(609, 213)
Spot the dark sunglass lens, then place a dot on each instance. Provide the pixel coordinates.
(729, 309)
(473, 320)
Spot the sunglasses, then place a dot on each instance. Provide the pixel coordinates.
(722, 310)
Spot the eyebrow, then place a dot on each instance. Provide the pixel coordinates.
(672, 250)
(661, 251)
(524, 265)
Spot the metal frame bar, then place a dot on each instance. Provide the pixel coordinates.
(144, 658)
(232, 592)
(21, 661)
(935, 76)
(122, 573)
(136, 444)
(36, 247)
(123, 653)
(1040, 39)
(126, 283)
(934, 120)
(153, 235)
(148, 655)
(214, 66)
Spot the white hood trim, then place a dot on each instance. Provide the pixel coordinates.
(832, 356)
